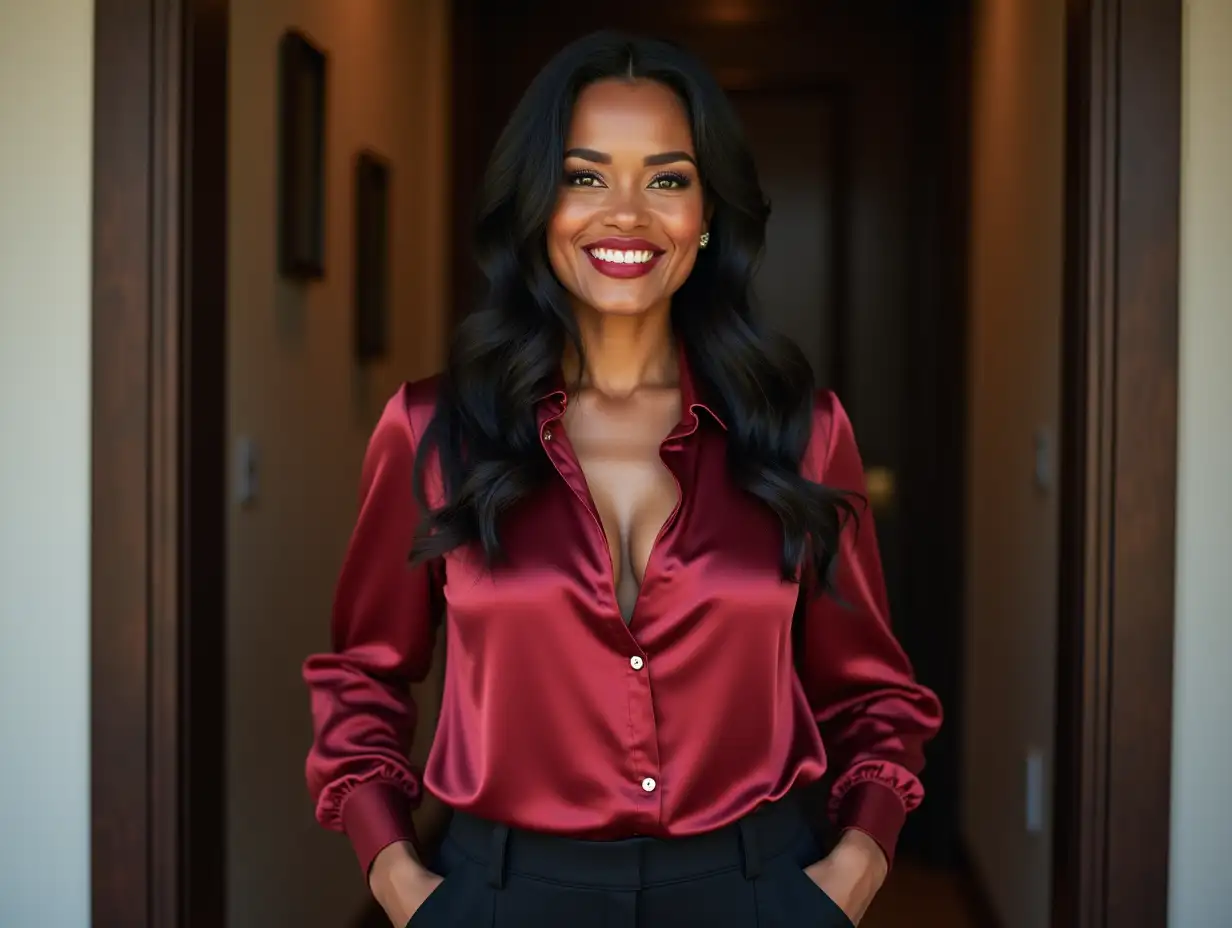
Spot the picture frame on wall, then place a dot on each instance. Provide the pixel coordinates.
(302, 70)
(372, 255)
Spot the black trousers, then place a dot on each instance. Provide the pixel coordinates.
(748, 875)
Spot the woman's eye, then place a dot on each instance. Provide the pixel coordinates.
(584, 179)
(669, 182)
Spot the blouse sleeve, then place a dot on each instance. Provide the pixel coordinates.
(875, 719)
(382, 642)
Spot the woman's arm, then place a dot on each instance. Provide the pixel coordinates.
(875, 719)
(382, 641)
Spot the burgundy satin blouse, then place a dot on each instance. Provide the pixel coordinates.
(559, 717)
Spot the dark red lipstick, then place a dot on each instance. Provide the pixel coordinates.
(623, 257)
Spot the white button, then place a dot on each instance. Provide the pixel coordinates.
(649, 784)
(636, 662)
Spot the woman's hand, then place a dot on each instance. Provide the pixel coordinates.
(851, 874)
(400, 882)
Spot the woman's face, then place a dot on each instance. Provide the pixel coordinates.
(625, 232)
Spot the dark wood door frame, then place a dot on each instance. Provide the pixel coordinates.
(1118, 499)
(159, 463)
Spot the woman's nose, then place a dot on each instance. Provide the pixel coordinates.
(627, 210)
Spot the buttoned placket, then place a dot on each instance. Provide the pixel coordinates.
(643, 748)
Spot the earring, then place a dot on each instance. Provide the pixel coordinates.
(704, 240)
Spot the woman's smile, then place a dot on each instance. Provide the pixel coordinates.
(623, 258)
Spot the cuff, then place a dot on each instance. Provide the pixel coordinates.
(876, 810)
(375, 816)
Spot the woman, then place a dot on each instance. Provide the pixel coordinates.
(643, 538)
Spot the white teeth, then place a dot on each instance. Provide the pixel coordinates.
(622, 257)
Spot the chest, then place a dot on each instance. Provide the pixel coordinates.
(628, 485)
(687, 553)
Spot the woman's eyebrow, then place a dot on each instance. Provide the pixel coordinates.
(669, 157)
(589, 154)
(599, 157)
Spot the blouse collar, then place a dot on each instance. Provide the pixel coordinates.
(556, 398)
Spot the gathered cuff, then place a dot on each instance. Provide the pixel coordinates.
(875, 798)
(374, 811)
(876, 811)
(375, 816)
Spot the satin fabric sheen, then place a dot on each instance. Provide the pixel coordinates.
(547, 721)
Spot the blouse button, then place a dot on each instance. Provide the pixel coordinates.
(547, 434)
(636, 662)
(649, 784)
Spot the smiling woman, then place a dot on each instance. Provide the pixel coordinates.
(640, 525)
(613, 189)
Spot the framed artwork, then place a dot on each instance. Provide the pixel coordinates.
(301, 158)
(372, 264)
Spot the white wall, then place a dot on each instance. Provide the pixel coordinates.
(295, 389)
(1202, 748)
(46, 101)
(1014, 369)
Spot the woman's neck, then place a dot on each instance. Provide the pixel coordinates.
(624, 353)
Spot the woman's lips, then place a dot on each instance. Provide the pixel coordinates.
(623, 258)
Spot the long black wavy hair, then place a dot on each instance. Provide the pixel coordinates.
(508, 350)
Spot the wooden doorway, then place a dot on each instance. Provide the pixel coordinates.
(1118, 499)
(159, 432)
(158, 555)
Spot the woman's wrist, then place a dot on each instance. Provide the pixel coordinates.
(399, 882)
(858, 852)
(394, 864)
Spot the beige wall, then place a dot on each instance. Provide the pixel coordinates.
(46, 101)
(295, 390)
(1015, 293)
(1202, 746)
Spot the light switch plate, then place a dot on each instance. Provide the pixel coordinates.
(1035, 791)
(247, 471)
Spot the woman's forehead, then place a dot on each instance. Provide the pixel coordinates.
(615, 116)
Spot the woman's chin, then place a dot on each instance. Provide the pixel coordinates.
(621, 304)
(622, 309)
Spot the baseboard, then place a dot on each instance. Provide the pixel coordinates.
(982, 908)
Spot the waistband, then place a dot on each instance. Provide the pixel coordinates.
(630, 863)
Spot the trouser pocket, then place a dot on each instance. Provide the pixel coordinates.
(463, 900)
